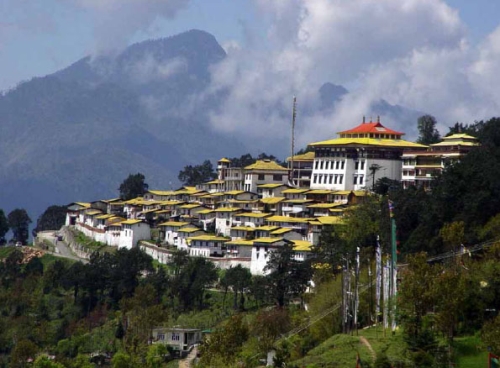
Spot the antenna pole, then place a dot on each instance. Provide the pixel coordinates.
(294, 115)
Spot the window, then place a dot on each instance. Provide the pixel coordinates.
(337, 165)
(277, 177)
(356, 166)
(361, 180)
(324, 180)
(315, 180)
(261, 177)
(355, 181)
(362, 165)
(316, 165)
(336, 178)
(341, 178)
(161, 336)
(176, 336)
(342, 165)
(321, 165)
(331, 179)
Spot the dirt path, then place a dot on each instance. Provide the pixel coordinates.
(366, 343)
(186, 363)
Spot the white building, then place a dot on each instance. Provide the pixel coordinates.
(132, 232)
(358, 157)
(420, 167)
(264, 172)
(224, 217)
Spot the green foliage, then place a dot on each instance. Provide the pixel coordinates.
(428, 134)
(19, 224)
(287, 277)
(23, 350)
(121, 360)
(52, 219)
(156, 356)
(133, 186)
(239, 279)
(198, 174)
(43, 361)
(4, 226)
(225, 343)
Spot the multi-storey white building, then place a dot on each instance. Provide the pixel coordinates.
(358, 157)
(264, 172)
(420, 167)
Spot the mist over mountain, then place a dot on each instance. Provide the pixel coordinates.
(76, 134)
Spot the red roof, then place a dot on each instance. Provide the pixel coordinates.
(371, 127)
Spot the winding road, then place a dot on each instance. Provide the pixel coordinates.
(61, 248)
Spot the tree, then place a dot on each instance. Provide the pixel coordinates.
(19, 223)
(330, 249)
(384, 185)
(428, 134)
(23, 350)
(373, 170)
(52, 219)
(194, 175)
(4, 226)
(132, 187)
(288, 277)
(239, 278)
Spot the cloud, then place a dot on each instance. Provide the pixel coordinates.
(409, 52)
(115, 22)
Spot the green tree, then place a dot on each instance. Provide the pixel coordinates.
(384, 185)
(4, 226)
(198, 174)
(238, 278)
(287, 277)
(331, 248)
(194, 278)
(428, 134)
(490, 334)
(121, 360)
(52, 219)
(156, 356)
(224, 344)
(23, 350)
(132, 187)
(43, 361)
(19, 223)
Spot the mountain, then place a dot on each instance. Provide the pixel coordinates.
(75, 135)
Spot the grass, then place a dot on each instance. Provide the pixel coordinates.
(469, 352)
(342, 350)
(5, 251)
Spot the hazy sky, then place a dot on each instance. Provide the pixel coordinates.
(437, 56)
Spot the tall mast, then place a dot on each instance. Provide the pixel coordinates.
(294, 115)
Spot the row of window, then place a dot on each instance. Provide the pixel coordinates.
(328, 179)
(329, 165)
(358, 179)
(261, 177)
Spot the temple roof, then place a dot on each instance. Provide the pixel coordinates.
(371, 127)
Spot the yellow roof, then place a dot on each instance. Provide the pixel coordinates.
(130, 222)
(330, 220)
(272, 200)
(115, 221)
(174, 223)
(170, 203)
(189, 230)
(342, 192)
(110, 200)
(240, 242)
(267, 228)
(308, 156)
(267, 240)
(294, 191)
(297, 200)
(234, 192)
(190, 205)
(163, 211)
(209, 238)
(83, 204)
(271, 186)
(265, 165)
(254, 215)
(227, 209)
(287, 219)
(360, 193)
(205, 212)
(337, 210)
(161, 192)
(223, 159)
(242, 201)
(104, 217)
(216, 181)
(281, 230)
(243, 228)
(92, 212)
(324, 205)
(459, 136)
(151, 210)
(301, 245)
(320, 191)
(400, 143)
